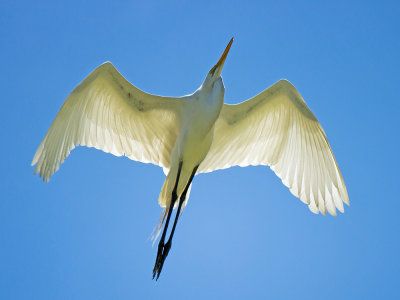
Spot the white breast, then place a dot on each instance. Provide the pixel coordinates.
(200, 114)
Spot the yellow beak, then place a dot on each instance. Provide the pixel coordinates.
(221, 61)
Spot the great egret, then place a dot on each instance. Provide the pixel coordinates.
(197, 134)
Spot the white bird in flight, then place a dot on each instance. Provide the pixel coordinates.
(196, 134)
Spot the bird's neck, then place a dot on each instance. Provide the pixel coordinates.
(212, 95)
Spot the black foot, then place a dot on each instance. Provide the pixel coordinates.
(162, 253)
(158, 259)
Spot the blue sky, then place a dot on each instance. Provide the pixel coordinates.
(243, 235)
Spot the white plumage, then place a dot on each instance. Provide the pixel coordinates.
(277, 129)
(197, 134)
(108, 113)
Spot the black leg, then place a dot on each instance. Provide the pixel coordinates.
(162, 239)
(167, 246)
(181, 199)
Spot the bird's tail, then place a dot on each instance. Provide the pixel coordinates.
(164, 200)
(165, 196)
(157, 229)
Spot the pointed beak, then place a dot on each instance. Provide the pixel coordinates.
(218, 67)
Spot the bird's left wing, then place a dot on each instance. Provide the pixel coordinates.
(106, 112)
(276, 128)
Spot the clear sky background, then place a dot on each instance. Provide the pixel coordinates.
(85, 235)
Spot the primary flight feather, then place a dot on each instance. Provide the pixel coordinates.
(197, 134)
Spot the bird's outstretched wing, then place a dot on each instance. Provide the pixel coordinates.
(276, 128)
(106, 112)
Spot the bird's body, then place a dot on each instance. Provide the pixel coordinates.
(200, 112)
(197, 134)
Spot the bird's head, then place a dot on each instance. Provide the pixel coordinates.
(215, 71)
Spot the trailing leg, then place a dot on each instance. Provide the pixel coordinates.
(162, 239)
(167, 246)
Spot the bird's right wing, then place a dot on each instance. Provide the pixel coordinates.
(276, 128)
(106, 112)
